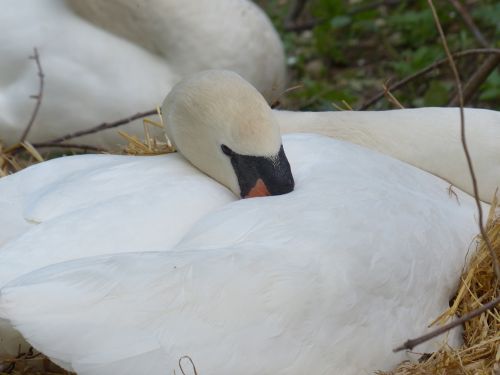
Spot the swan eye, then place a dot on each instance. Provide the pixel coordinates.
(226, 150)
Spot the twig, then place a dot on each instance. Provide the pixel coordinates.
(295, 12)
(192, 364)
(391, 97)
(69, 145)
(277, 102)
(303, 26)
(484, 235)
(291, 20)
(366, 7)
(13, 150)
(404, 81)
(101, 127)
(481, 74)
(464, 13)
(477, 79)
(410, 344)
(38, 97)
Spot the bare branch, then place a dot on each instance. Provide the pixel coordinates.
(397, 85)
(410, 344)
(295, 11)
(488, 65)
(103, 126)
(477, 79)
(484, 235)
(69, 145)
(291, 23)
(38, 97)
(366, 7)
(464, 13)
(303, 26)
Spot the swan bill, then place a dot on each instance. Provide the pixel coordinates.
(260, 176)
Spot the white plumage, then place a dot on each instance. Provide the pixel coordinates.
(107, 60)
(427, 138)
(363, 254)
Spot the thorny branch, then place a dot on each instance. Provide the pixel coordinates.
(38, 97)
(434, 65)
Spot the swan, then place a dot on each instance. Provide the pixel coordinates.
(107, 60)
(327, 278)
(37, 203)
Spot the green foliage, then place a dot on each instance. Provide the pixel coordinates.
(489, 16)
(358, 45)
(490, 91)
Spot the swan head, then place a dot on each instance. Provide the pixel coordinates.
(225, 128)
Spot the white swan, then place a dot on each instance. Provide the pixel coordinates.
(364, 253)
(107, 60)
(38, 203)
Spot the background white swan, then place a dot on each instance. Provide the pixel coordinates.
(107, 60)
(279, 284)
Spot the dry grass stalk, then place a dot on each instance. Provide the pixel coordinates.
(480, 352)
(11, 161)
(150, 145)
(391, 98)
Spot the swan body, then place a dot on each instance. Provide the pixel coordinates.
(104, 61)
(328, 278)
(325, 279)
(99, 202)
(427, 138)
